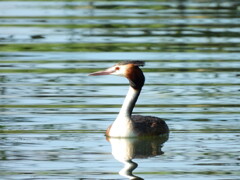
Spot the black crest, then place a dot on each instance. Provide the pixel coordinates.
(136, 63)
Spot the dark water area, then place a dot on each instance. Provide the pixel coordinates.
(53, 115)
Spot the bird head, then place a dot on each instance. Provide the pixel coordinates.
(128, 69)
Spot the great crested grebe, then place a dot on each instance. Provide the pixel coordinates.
(126, 124)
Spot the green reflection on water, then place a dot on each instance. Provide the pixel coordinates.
(205, 128)
(121, 47)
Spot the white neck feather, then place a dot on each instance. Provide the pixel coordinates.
(129, 102)
(122, 126)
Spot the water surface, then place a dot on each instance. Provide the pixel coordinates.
(53, 116)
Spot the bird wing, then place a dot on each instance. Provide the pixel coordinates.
(149, 125)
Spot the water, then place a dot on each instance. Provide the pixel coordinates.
(53, 116)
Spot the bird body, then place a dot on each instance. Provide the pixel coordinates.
(126, 124)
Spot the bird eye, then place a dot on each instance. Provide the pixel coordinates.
(117, 68)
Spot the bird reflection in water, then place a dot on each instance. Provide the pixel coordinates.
(126, 149)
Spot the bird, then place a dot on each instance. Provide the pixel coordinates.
(127, 125)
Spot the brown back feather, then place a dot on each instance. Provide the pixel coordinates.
(149, 125)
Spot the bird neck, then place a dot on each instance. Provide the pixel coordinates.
(129, 102)
(123, 124)
(136, 80)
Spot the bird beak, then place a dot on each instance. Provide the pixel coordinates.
(104, 72)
